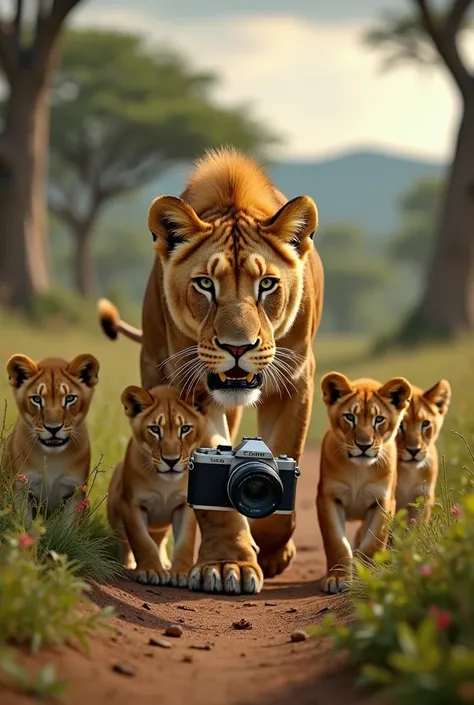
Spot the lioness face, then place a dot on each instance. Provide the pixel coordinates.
(53, 396)
(166, 428)
(422, 423)
(234, 285)
(364, 414)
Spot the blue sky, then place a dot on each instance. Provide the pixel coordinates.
(300, 65)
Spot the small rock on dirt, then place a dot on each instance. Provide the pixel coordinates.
(250, 604)
(123, 670)
(201, 647)
(242, 624)
(323, 609)
(299, 635)
(159, 642)
(187, 608)
(271, 604)
(187, 658)
(174, 630)
(146, 606)
(291, 610)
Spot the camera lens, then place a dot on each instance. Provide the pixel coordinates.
(255, 489)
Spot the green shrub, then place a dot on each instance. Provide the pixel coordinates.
(413, 607)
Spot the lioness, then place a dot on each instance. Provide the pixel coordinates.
(234, 299)
(49, 444)
(416, 443)
(358, 467)
(148, 489)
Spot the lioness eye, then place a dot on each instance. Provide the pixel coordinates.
(70, 399)
(185, 429)
(155, 430)
(37, 400)
(379, 419)
(350, 418)
(267, 283)
(425, 424)
(205, 283)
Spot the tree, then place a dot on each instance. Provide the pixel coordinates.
(28, 53)
(352, 276)
(431, 36)
(419, 207)
(123, 114)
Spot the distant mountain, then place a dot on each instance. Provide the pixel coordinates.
(362, 187)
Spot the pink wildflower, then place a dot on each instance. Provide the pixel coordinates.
(442, 618)
(456, 510)
(85, 503)
(83, 487)
(22, 478)
(25, 541)
(426, 570)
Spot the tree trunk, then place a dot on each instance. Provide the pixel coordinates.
(447, 305)
(84, 273)
(24, 257)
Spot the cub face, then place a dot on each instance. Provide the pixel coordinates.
(166, 428)
(422, 423)
(53, 396)
(364, 414)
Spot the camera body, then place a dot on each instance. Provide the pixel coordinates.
(247, 479)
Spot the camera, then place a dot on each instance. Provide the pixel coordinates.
(247, 478)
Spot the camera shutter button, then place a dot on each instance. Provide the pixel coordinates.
(226, 449)
(283, 456)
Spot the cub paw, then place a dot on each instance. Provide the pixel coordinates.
(150, 575)
(273, 564)
(229, 578)
(179, 577)
(333, 583)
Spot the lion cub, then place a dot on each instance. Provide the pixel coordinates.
(358, 467)
(49, 444)
(148, 489)
(416, 444)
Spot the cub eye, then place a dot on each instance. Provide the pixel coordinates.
(267, 284)
(184, 430)
(37, 400)
(69, 399)
(205, 284)
(379, 419)
(426, 424)
(351, 418)
(155, 430)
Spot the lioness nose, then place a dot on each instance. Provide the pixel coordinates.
(53, 428)
(236, 350)
(413, 451)
(171, 462)
(364, 446)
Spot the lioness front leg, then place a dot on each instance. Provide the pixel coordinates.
(149, 566)
(283, 425)
(374, 533)
(227, 559)
(332, 522)
(184, 532)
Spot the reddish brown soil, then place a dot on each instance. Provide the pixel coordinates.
(254, 665)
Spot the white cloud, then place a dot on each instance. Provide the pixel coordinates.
(314, 82)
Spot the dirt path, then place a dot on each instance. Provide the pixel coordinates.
(240, 667)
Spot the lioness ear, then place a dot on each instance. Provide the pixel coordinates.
(172, 222)
(19, 369)
(334, 386)
(439, 395)
(295, 223)
(135, 400)
(86, 368)
(397, 391)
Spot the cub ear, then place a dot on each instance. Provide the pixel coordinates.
(295, 223)
(19, 369)
(135, 400)
(397, 391)
(173, 222)
(439, 395)
(86, 368)
(334, 386)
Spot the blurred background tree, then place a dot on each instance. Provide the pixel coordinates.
(29, 45)
(122, 115)
(430, 35)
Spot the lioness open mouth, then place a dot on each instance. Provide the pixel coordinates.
(234, 379)
(53, 442)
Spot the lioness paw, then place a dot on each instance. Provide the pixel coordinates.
(273, 564)
(179, 578)
(150, 576)
(332, 583)
(229, 578)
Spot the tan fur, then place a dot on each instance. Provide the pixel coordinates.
(63, 393)
(146, 496)
(419, 431)
(358, 467)
(231, 226)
